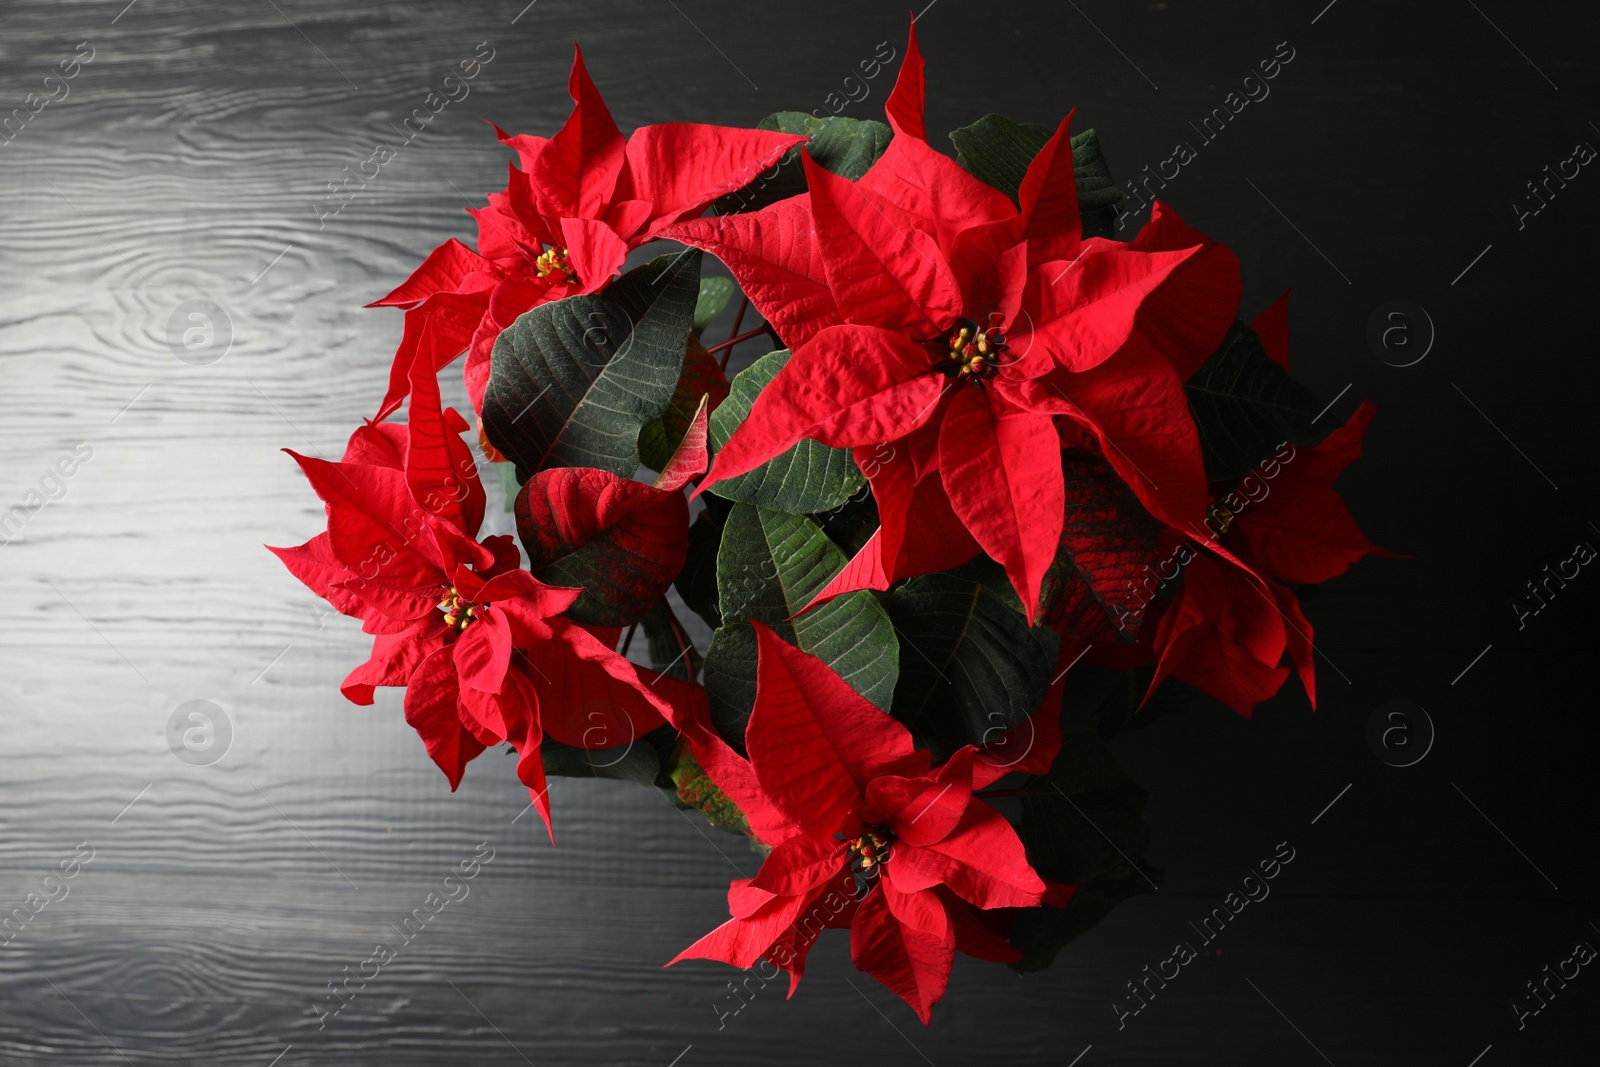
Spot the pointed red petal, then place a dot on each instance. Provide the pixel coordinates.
(483, 651)
(1187, 317)
(594, 250)
(1223, 635)
(919, 188)
(776, 260)
(813, 740)
(381, 444)
(439, 464)
(974, 935)
(450, 268)
(730, 771)
(1135, 407)
(374, 527)
(1002, 470)
(905, 941)
(578, 169)
(799, 865)
(742, 942)
(527, 145)
(880, 274)
(453, 320)
(314, 564)
(851, 385)
(921, 532)
(923, 809)
(681, 167)
(1303, 532)
(863, 571)
(395, 658)
(904, 108)
(1082, 310)
(982, 861)
(593, 697)
(1049, 193)
(431, 711)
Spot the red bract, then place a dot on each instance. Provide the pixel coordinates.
(623, 540)
(456, 622)
(938, 330)
(866, 833)
(1231, 623)
(563, 225)
(1226, 633)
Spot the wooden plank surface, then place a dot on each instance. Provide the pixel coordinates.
(188, 163)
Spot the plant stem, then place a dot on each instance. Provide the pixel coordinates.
(627, 641)
(729, 344)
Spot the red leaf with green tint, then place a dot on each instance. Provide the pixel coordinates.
(1108, 546)
(621, 541)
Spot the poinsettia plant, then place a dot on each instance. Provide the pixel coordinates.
(1004, 487)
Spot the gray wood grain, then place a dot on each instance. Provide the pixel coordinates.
(189, 162)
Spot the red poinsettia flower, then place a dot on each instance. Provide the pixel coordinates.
(563, 225)
(938, 330)
(1283, 524)
(866, 834)
(479, 644)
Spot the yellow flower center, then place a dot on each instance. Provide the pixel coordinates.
(457, 612)
(554, 261)
(868, 851)
(969, 353)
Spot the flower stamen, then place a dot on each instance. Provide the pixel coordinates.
(969, 353)
(457, 612)
(868, 851)
(554, 261)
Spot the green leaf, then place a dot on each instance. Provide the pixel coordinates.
(843, 146)
(997, 151)
(508, 483)
(770, 565)
(714, 296)
(1246, 407)
(701, 376)
(636, 762)
(970, 668)
(809, 477)
(572, 382)
(1082, 823)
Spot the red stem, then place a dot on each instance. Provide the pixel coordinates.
(738, 320)
(627, 641)
(732, 341)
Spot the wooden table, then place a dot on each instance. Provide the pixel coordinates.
(189, 160)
